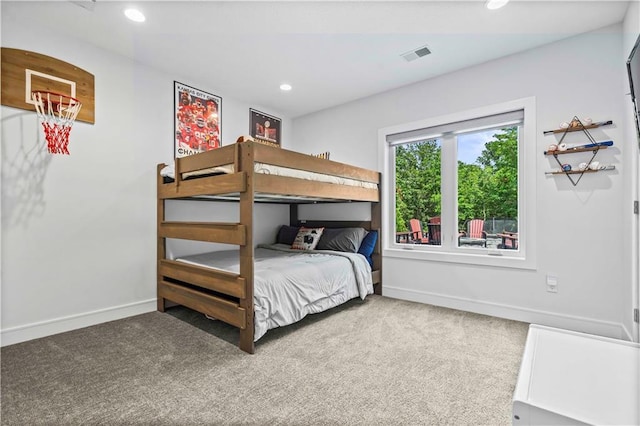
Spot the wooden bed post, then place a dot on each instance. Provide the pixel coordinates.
(293, 214)
(376, 222)
(247, 250)
(161, 251)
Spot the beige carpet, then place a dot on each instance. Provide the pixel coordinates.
(381, 361)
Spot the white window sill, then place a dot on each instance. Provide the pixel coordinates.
(472, 256)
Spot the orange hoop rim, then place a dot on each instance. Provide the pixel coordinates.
(62, 96)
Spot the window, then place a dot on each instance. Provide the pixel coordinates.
(459, 186)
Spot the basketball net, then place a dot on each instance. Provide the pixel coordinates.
(57, 113)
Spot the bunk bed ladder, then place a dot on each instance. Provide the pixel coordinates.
(247, 250)
(161, 251)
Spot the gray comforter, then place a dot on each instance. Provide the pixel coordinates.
(289, 284)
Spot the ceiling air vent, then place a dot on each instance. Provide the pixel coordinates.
(416, 53)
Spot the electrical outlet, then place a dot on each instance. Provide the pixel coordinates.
(552, 283)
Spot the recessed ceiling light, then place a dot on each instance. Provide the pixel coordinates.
(286, 87)
(495, 4)
(135, 15)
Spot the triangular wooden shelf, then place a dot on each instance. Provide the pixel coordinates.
(579, 128)
(593, 149)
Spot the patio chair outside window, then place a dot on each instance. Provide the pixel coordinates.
(416, 235)
(434, 231)
(474, 235)
(509, 240)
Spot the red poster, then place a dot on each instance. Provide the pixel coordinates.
(197, 120)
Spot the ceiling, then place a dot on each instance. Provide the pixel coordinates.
(330, 52)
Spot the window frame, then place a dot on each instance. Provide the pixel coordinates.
(525, 257)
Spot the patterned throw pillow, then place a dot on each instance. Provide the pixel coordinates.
(307, 238)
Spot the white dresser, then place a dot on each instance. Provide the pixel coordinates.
(569, 378)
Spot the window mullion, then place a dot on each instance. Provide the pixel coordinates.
(391, 225)
(449, 191)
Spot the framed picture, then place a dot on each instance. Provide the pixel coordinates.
(265, 128)
(197, 120)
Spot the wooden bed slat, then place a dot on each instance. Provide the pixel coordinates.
(204, 160)
(211, 185)
(161, 242)
(377, 276)
(220, 281)
(286, 185)
(216, 307)
(296, 160)
(310, 223)
(226, 233)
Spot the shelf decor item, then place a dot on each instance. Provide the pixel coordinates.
(579, 128)
(592, 146)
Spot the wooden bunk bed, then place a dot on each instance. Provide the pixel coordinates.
(227, 296)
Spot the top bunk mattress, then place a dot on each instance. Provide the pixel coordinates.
(169, 172)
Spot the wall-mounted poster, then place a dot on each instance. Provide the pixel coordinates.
(197, 120)
(265, 128)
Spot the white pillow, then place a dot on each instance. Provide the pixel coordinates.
(307, 238)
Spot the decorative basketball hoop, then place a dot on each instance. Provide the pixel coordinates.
(57, 113)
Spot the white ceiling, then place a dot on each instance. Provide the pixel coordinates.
(330, 52)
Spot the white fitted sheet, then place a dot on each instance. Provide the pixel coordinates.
(270, 169)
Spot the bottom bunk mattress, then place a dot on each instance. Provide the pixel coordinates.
(289, 284)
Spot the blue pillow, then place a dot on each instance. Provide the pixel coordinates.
(368, 245)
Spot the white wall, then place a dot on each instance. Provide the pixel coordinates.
(581, 233)
(79, 232)
(631, 298)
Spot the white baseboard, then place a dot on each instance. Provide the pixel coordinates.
(516, 313)
(627, 335)
(22, 333)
